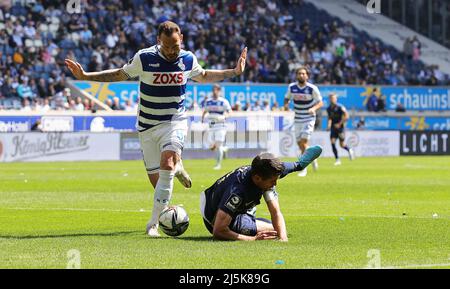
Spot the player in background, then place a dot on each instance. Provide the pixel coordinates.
(337, 117)
(163, 71)
(216, 110)
(307, 100)
(228, 207)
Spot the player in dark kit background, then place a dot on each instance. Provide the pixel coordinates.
(228, 207)
(337, 117)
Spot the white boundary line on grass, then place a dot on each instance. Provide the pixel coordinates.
(77, 210)
(366, 216)
(292, 215)
(411, 266)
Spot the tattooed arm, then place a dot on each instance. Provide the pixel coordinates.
(111, 75)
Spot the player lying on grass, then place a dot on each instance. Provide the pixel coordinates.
(228, 207)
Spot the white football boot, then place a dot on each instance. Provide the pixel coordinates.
(152, 230)
(303, 173)
(182, 175)
(315, 165)
(351, 154)
(337, 162)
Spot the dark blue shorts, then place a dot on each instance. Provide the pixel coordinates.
(244, 224)
(337, 133)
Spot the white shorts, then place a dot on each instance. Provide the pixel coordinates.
(304, 130)
(216, 135)
(168, 136)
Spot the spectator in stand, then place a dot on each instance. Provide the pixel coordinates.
(400, 107)
(26, 107)
(381, 103)
(237, 106)
(416, 48)
(275, 106)
(87, 104)
(79, 106)
(266, 106)
(116, 105)
(24, 90)
(72, 105)
(248, 106)
(130, 106)
(109, 103)
(38, 35)
(372, 102)
(256, 106)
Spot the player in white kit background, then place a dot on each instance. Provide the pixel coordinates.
(307, 100)
(163, 71)
(216, 110)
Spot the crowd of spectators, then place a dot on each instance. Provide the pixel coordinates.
(37, 35)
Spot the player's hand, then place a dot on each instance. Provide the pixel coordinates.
(266, 235)
(337, 126)
(76, 69)
(311, 111)
(241, 62)
(328, 128)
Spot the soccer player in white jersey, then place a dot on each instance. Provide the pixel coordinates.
(163, 71)
(216, 109)
(307, 100)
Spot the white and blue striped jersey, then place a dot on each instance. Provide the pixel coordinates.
(304, 98)
(162, 85)
(216, 109)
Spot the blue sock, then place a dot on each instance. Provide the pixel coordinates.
(335, 152)
(290, 168)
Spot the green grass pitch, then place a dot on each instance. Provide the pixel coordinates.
(334, 217)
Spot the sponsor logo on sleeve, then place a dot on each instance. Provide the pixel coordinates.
(233, 202)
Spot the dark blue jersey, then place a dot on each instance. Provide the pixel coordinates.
(336, 113)
(234, 193)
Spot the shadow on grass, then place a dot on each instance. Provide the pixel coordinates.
(110, 234)
(196, 238)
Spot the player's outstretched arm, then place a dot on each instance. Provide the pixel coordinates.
(221, 230)
(111, 75)
(277, 219)
(219, 75)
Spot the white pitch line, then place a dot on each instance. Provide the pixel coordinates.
(77, 209)
(418, 266)
(290, 215)
(365, 216)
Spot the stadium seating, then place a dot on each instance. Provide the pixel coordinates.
(256, 30)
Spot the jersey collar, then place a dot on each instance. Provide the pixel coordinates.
(301, 87)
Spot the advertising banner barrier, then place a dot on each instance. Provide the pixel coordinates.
(130, 147)
(424, 143)
(58, 146)
(352, 97)
(364, 143)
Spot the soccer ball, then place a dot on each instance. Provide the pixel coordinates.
(173, 221)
